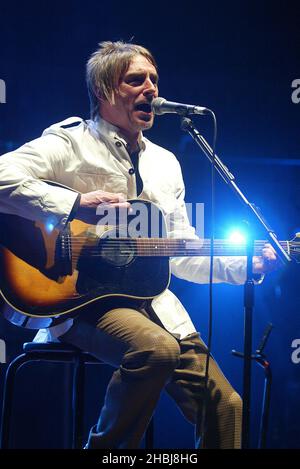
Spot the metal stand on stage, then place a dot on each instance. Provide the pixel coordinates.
(261, 359)
(188, 126)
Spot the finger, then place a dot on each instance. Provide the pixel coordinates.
(269, 256)
(121, 197)
(109, 198)
(123, 205)
(270, 247)
(116, 205)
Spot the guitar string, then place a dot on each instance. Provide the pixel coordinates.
(155, 247)
(161, 249)
(162, 253)
(150, 242)
(111, 244)
(172, 240)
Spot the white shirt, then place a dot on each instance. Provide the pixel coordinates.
(91, 155)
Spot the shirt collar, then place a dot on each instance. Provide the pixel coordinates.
(110, 131)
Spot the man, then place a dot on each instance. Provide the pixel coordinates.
(107, 160)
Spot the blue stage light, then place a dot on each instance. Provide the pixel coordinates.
(236, 236)
(49, 226)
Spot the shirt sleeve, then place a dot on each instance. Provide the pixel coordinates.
(23, 187)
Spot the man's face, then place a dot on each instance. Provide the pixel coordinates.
(131, 111)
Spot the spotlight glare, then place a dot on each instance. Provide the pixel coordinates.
(236, 237)
(49, 227)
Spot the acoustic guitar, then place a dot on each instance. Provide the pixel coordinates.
(47, 275)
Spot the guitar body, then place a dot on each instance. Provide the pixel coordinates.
(48, 274)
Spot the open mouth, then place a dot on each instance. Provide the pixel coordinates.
(144, 107)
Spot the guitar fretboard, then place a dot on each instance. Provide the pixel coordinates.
(162, 247)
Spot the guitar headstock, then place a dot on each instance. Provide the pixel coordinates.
(294, 248)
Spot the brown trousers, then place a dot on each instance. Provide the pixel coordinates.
(149, 359)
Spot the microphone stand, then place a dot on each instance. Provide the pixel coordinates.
(188, 126)
(262, 360)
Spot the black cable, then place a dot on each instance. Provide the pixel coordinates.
(211, 270)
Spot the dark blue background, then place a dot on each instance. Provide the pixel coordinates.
(239, 59)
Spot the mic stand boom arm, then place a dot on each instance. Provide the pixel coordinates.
(188, 126)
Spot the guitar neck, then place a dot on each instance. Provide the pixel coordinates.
(161, 247)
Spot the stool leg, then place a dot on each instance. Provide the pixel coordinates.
(78, 402)
(8, 392)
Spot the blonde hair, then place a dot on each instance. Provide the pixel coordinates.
(106, 67)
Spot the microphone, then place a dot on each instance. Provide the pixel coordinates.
(162, 106)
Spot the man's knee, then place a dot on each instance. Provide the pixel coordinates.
(160, 355)
(166, 352)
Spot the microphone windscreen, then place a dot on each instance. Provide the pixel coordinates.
(156, 105)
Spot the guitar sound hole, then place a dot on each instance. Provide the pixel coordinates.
(117, 252)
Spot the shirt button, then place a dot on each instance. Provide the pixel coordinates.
(118, 144)
(131, 171)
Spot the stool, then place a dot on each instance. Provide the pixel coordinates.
(54, 352)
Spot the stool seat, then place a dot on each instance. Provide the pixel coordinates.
(55, 352)
(49, 347)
